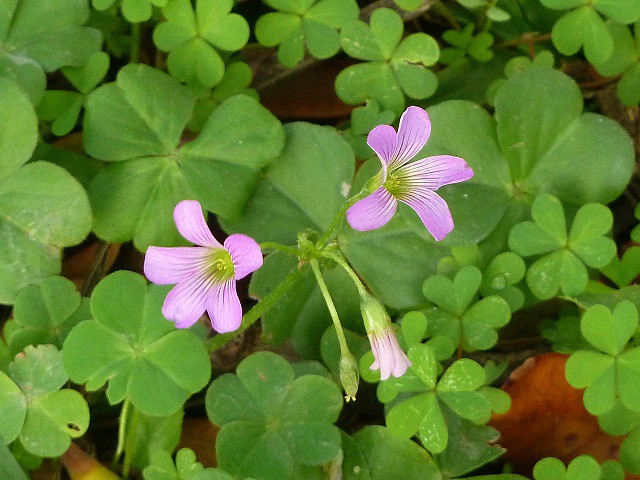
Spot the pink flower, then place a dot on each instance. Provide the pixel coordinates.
(412, 183)
(205, 275)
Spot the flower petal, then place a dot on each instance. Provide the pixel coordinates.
(167, 265)
(432, 210)
(373, 211)
(389, 357)
(245, 253)
(413, 133)
(383, 139)
(186, 302)
(224, 307)
(434, 172)
(192, 225)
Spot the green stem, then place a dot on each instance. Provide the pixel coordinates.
(344, 348)
(134, 53)
(122, 427)
(446, 13)
(259, 309)
(282, 248)
(340, 260)
(339, 216)
(131, 439)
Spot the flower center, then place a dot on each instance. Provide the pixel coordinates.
(221, 266)
(395, 184)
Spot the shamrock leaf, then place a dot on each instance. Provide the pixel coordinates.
(624, 270)
(192, 36)
(267, 416)
(392, 68)
(151, 434)
(543, 59)
(9, 467)
(375, 453)
(611, 373)
(162, 467)
(363, 120)
(64, 107)
(36, 37)
(563, 265)
(458, 316)
(583, 26)
(33, 409)
(625, 62)
(564, 334)
(135, 11)
(500, 276)
(477, 47)
(299, 22)
(422, 414)
(130, 345)
(45, 313)
(134, 196)
(30, 248)
(583, 467)
(630, 452)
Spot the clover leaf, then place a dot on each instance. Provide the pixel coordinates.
(136, 124)
(563, 265)
(135, 11)
(130, 345)
(564, 334)
(151, 434)
(314, 23)
(34, 409)
(363, 120)
(192, 36)
(494, 13)
(45, 313)
(63, 107)
(583, 467)
(458, 316)
(500, 276)
(375, 453)
(583, 26)
(162, 467)
(30, 249)
(464, 42)
(625, 62)
(543, 59)
(622, 271)
(267, 416)
(611, 372)
(421, 414)
(394, 67)
(630, 452)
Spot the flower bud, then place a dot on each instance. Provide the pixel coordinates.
(349, 375)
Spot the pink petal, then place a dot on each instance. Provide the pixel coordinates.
(389, 357)
(434, 172)
(383, 139)
(192, 225)
(167, 265)
(186, 302)
(373, 211)
(413, 133)
(245, 253)
(224, 307)
(432, 210)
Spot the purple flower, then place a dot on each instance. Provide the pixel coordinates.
(205, 275)
(412, 183)
(389, 357)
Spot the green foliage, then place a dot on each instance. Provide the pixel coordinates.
(500, 277)
(610, 372)
(9, 467)
(162, 467)
(583, 467)
(562, 265)
(130, 345)
(192, 36)
(625, 62)
(37, 37)
(394, 67)
(37, 190)
(45, 313)
(459, 316)
(363, 120)
(492, 12)
(267, 416)
(314, 23)
(465, 43)
(33, 407)
(622, 271)
(564, 334)
(635, 233)
(148, 434)
(583, 26)
(135, 11)
(129, 124)
(63, 107)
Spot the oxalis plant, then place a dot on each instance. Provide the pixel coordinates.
(332, 302)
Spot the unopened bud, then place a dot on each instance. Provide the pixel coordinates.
(375, 316)
(349, 375)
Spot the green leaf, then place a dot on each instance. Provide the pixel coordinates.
(135, 349)
(583, 27)
(500, 276)
(302, 189)
(609, 332)
(162, 467)
(288, 423)
(9, 467)
(629, 450)
(153, 434)
(624, 270)
(463, 375)
(44, 418)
